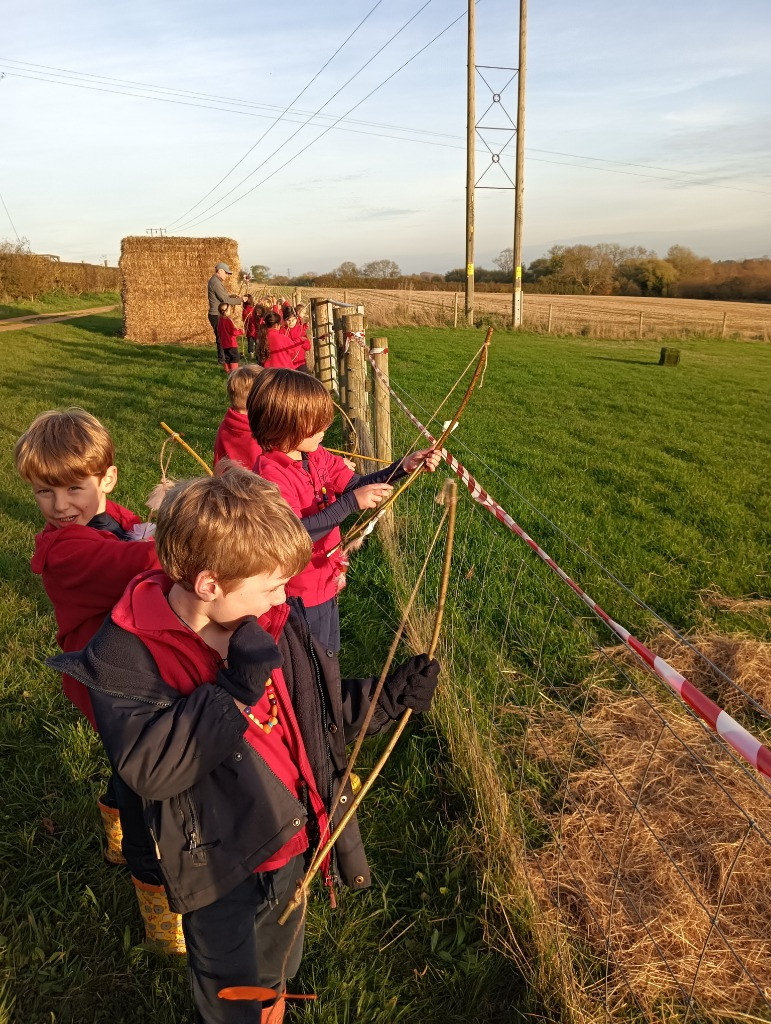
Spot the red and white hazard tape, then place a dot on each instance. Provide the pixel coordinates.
(734, 734)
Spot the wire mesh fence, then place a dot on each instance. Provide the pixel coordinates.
(626, 847)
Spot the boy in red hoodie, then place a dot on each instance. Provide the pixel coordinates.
(232, 730)
(289, 413)
(234, 438)
(86, 555)
(228, 335)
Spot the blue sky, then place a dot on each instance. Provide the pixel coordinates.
(646, 124)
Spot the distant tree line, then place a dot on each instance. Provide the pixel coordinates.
(603, 269)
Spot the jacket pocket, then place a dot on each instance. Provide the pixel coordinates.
(191, 824)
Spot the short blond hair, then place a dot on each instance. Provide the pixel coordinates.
(64, 445)
(240, 384)
(233, 525)
(285, 407)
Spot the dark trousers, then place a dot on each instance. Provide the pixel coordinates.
(324, 622)
(138, 847)
(238, 941)
(213, 318)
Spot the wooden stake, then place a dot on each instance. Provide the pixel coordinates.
(548, 325)
(455, 312)
(640, 325)
(356, 385)
(381, 415)
(725, 321)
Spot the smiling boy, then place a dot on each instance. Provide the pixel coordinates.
(86, 555)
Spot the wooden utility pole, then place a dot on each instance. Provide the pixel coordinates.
(519, 186)
(470, 167)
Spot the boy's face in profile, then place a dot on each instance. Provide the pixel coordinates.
(253, 596)
(75, 503)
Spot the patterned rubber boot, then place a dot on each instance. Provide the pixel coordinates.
(273, 1014)
(163, 927)
(113, 833)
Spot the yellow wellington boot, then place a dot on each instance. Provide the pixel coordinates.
(162, 926)
(113, 833)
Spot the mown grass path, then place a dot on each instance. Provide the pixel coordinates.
(412, 948)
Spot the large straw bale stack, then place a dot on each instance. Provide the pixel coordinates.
(164, 287)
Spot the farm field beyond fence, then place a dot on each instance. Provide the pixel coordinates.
(597, 316)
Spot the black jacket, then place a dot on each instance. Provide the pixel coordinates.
(213, 806)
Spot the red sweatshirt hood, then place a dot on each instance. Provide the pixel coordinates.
(49, 535)
(147, 613)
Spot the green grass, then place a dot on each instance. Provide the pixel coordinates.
(58, 302)
(70, 938)
(660, 474)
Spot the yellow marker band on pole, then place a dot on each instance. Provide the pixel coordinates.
(469, 270)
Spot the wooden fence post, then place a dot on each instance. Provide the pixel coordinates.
(381, 415)
(725, 321)
(640, 325)
(455, 313)
(356, 386)
(324, 345)
(336, 319)
(548, 325)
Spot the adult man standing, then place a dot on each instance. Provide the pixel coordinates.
(218, 293)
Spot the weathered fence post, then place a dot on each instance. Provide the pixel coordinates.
(455, 313)
(381, 416)
(336, 320)
(356, 385)
(640, 325)
(548, 325)
(725, 321)
(324, 345)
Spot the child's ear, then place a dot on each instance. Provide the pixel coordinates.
(205, 587)
(109, 480)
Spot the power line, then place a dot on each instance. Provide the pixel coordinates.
(338, 126)
(267, 159)
(286, 109)
(10, 219)
(125, 83)
(334, 124)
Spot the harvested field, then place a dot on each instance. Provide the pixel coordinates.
(597, 316)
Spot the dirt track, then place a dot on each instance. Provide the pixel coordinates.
(18, 323)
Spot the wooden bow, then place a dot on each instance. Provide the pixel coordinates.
(363, 530)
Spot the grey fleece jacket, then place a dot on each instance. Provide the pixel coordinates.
(219, 293)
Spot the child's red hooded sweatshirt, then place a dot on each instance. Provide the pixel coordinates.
(84, 572)
(185, 661)
(308, 491)
(234, 440)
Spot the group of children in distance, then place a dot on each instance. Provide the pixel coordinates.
(206, 659)
(276, 334)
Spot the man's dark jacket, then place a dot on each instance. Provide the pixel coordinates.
(213, 806)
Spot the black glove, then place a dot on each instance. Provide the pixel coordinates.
(412, 684)
(252, 656)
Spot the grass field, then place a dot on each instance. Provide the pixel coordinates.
(70, 934)
(659, 473)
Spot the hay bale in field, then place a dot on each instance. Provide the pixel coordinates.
(164, 287)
